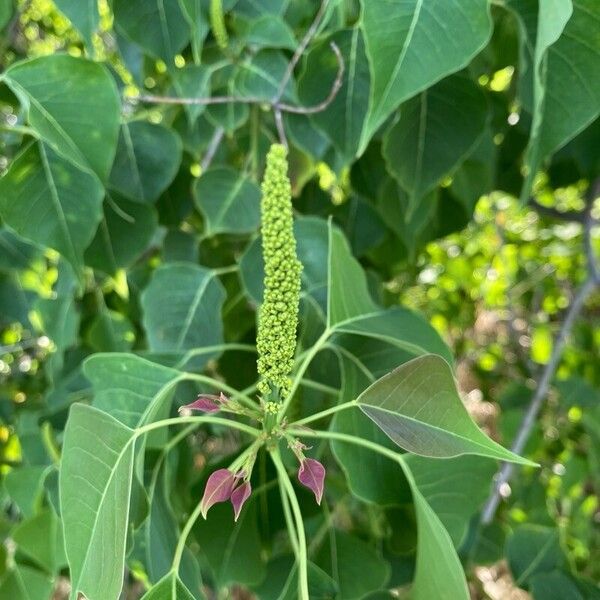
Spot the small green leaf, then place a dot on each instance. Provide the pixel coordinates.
(158, 27)
(419, 408)
(182, 308)
(147, 160)
(25, 486)
(41, 539)
(229, 201)
(95, 487)
(110, 331)
(193, 81)
(270, 31)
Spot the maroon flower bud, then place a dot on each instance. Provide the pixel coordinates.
(239, 497)
(208, 403)
(218, 489)
(312, 475)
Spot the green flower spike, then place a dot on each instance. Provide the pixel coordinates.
(217, 23)
(278, 316)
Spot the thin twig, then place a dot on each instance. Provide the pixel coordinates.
(537, 400)
(30, 343)
(588, 225)
(282, 106)
(280, 126)
(276, 105)
(574, 216)
(308, 36)
(213, 146)
(152, 99)
(335, 88)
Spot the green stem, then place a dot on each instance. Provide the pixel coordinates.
(200, 419)
(185, 532)
(321, 387)
(293, 535)
(325, 413)
(350, 439)
(302, 556)
(222, 386)
(226, 270)
(309, 355)
(20, 129)
(210, 349)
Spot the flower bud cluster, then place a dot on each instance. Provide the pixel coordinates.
(278, 316)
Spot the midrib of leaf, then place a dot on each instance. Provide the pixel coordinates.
(56, 202)
(120, 456)
(398, 343)
(226, 204)
(190, 315)
(357, 362)
(164, 26)
(106, 235)
(350, 91)
(536, 560)
(133, 159)
(500, 451)
(420, 153)
(68, 140)
(252, 68)
(407, 42)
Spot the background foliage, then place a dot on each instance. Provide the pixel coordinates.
(129, 251)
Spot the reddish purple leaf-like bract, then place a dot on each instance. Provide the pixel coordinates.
(239, 496)
(208, 403)
(218, 489)
(312, 475)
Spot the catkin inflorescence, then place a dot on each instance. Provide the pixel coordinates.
(278, 315)
(217, 23)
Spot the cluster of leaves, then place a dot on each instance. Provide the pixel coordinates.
(130, 273)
